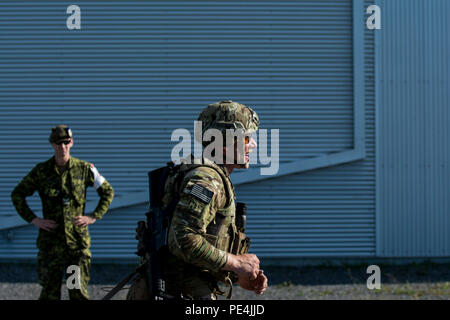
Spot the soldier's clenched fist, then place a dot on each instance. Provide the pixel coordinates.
(245, 266)
(258, 285)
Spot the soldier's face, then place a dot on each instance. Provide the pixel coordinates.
(62, 149)
(249, 145)
(248, 148)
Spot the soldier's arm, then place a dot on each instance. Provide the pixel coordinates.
(246, 266)
(188, 227)
(24, 189)
(104, 190)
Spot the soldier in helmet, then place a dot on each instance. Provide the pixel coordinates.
(203, 224)
(63, 231)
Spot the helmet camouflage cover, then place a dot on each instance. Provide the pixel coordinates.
(227, 114)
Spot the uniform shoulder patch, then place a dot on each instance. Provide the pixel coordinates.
(201, 193)
(98, 179)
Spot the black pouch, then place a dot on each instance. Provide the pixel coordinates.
(142, 235)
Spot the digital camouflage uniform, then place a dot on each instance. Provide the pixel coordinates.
(203, 224)
(63, 198)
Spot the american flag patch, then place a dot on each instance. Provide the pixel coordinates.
(202, 193)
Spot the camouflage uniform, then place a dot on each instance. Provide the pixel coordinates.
(63, 197)
(203, 224)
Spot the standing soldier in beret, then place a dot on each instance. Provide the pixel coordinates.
(203, 227)
(63, 231)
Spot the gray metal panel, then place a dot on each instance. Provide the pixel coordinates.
(138, 70)
(412, 126)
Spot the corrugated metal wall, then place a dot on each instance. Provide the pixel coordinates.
(412, 124)
(323, 213)
(138, 70)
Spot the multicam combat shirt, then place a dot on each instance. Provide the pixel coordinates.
(203, 200)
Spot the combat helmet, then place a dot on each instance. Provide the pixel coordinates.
(228, 114)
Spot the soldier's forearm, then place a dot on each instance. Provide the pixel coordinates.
(100, 210)
(193, 248)
(26, 214)
(232, 264)
(106, 194)
(22, 207)
(243, 265)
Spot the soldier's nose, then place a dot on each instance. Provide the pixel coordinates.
(252, 144)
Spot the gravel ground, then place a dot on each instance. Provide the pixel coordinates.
(413, 281)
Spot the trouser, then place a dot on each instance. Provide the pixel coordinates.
(52, 267)
(188, 280)
(199, 289)
(192, 288)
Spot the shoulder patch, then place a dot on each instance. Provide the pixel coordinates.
(98, 179)
(201, 193)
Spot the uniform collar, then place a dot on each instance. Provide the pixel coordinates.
(70, 162)
(53, 162)
(205, 160)
(220, 166)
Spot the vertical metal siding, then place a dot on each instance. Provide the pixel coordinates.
(369, 163)
(412, 127)
(138, 70)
